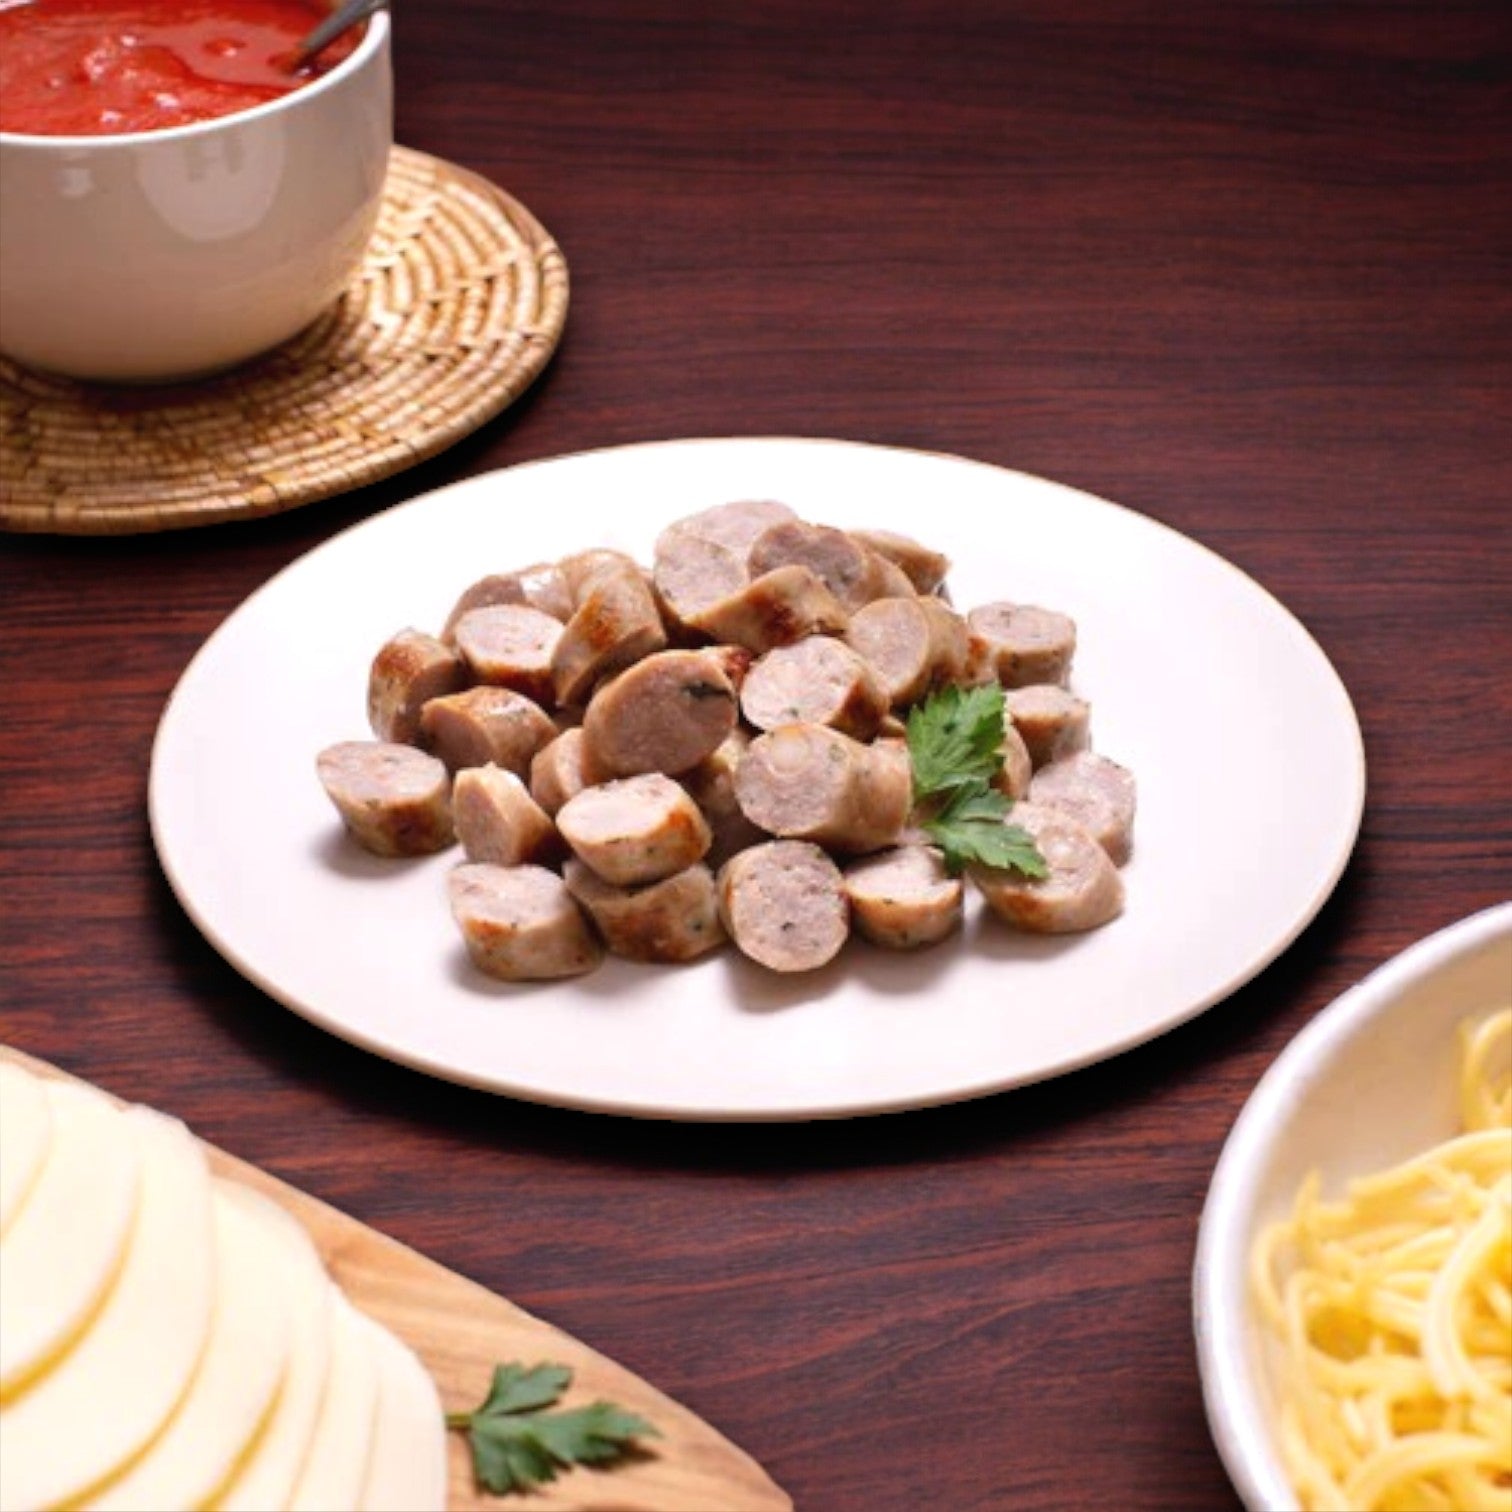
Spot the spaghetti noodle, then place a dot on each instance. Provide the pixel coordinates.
(1393, 1309)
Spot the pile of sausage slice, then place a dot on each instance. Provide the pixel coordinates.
(655, 762)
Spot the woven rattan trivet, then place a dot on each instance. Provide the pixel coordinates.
(457, 308)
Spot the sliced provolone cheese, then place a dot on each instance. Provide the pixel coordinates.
(25, 1133)
(65, 1247)
(266, 1476)
(332, 1475)
(115, 1388)
(406, 1469)
(239, 1374)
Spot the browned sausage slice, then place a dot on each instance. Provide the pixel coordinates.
(711, 785)
(807, 782)
(561, 770)
(1019, 645)
(540, 587)
(665, 714)
(635, 830)
(776, 609)
(902, 899)
(497, 820)
(510, 646)
(924, 568)
(676, 919)
(1098, 793)
(1053, 723)
(913, 644)
(1082, 891)
(817, 680)
(1014, 776)
(408, 671)
(484, 725)
(615, 622)
(784, 905)
(520, 923)
(733, 526)
(691, 574)
(850, 570)
(394, 800)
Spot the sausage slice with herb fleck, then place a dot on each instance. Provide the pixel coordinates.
(520, 923)
(664, 714)
(409, 670)
(676, 919)
(394, 800)
(784, 905)
(1082, 889)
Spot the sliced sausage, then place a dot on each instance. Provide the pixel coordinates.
(924, 568)
(409, 670)
(665, 714)
(807, 782)
(1098, 793)
(539, 587)
(1014, 775)
(734, 526)
(497, 820)
(1052, 722)
(691, 574)
(851, 571)
(775, 609)
(510, 646)
(711, 785)
(784, 905)
(1019, 645)
(913, 645)
(902, 899)
(615, 622)
(561, 769)
(817, 680)
(520, 923)
(635, 830)
(676, 919)
(1082, 890)
(395, 800)
(483, 725)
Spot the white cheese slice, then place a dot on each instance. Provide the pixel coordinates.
(239, 1374)
(25, 1134)
(406, 1470)
(109, 1395)
(64, 1248)
(333, 1473)
(266, 1476)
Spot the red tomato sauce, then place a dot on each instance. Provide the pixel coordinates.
(103, 67)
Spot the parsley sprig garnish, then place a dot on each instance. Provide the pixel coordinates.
(955, 743)
(518, 1441)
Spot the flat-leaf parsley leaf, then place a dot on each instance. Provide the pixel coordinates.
(955, 737)
(955, 743)
(518, 1442)
(971, 828)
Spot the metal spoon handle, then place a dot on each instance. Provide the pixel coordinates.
(347, 14)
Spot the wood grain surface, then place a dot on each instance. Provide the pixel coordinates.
(1244, 267)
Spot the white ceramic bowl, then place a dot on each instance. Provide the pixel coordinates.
(1371, 1080)
(169, 254)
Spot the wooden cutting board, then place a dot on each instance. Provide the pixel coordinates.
(461, 1330)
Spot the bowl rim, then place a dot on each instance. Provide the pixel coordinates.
(374, 41)
(1238, 1418)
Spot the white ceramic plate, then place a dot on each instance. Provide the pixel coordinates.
(1242, 737)
(1371, 1081)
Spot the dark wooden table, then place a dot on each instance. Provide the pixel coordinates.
(1243, 267)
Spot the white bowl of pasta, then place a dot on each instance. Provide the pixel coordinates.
(1353, 1281)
